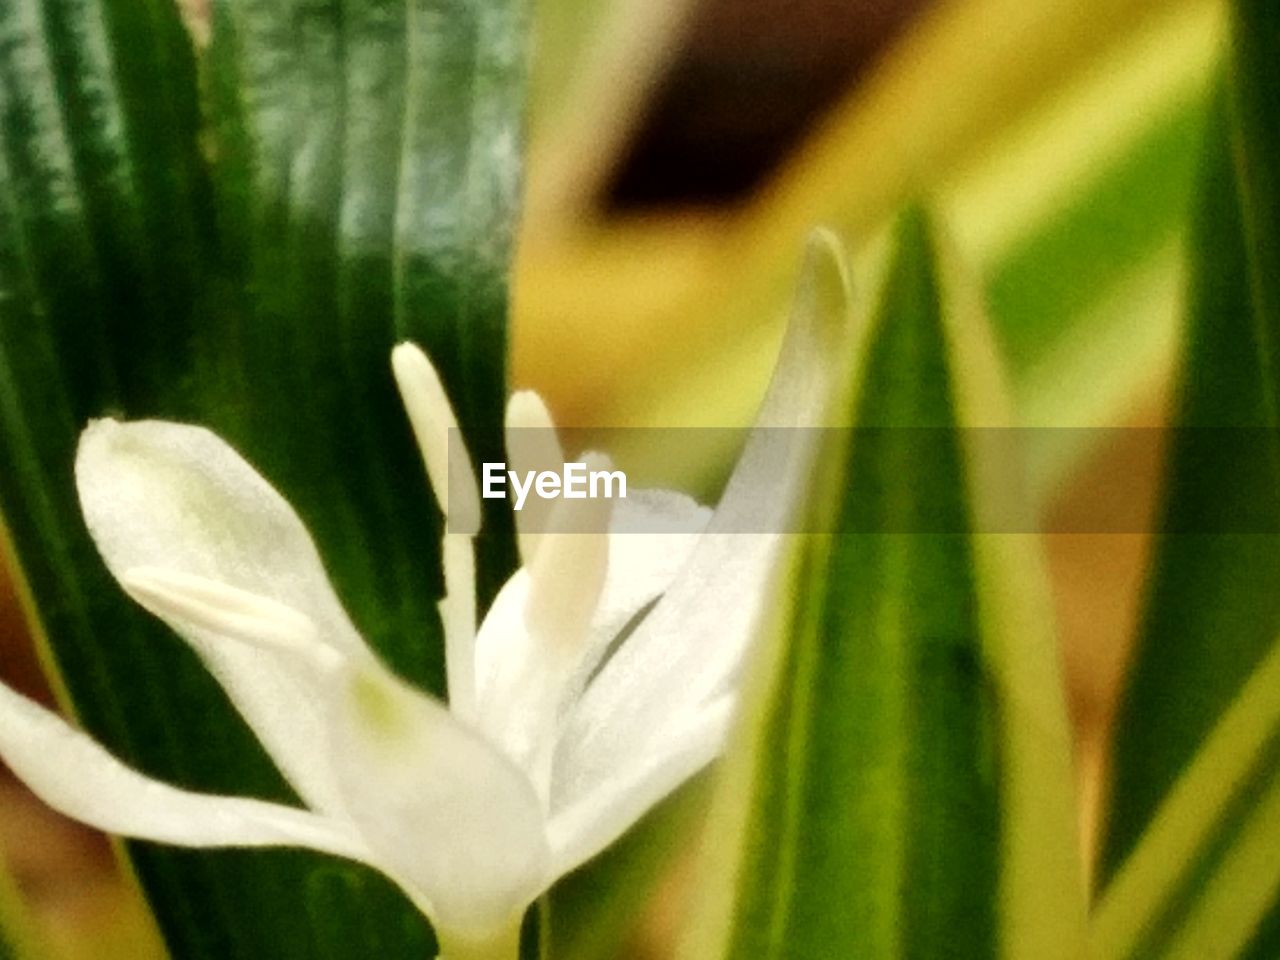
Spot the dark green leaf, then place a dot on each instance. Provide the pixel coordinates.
(1212, 608)
(355, 186)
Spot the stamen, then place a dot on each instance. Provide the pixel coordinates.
(432, 417)
(228, 611)
(458, 616)
(532, 447)
(568, 574)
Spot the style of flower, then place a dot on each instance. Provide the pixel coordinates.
(553, 742)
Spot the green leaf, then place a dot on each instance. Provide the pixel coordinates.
(1212, 610)
(597, 909)
(355, 186)
(1205, 871)
(903, 786)
(1256, 101)
(18, 937)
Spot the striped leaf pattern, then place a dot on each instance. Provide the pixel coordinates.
(1184, 773)
(238, 238)
(903, 785)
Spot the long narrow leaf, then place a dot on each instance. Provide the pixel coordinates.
(1212, 609)
(1182, 861)
(904, 786)
(1200, 639)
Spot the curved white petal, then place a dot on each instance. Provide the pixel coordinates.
(532, 445)
(586, 821)
(691, 646)
(171, 497)
(269, 659)
(436, 803)
(515, 680)
(660, 513)
(651, 537)
(77, 777)
(685, 652)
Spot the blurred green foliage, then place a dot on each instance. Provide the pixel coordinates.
(238, 238)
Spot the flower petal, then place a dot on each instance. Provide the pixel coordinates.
(393, 754)
(584, 822)
(169, 497)
(435, 802)
(505, 653)
(77, 777)
(651, 537)
(689, 648)
(660, 513)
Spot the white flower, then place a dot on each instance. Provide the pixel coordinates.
(553, 742)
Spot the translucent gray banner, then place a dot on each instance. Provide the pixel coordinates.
(872, 480)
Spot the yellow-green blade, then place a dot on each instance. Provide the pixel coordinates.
(902, 786)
